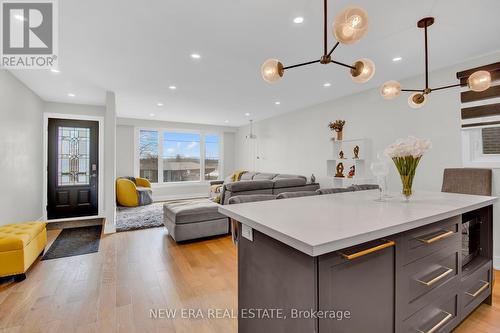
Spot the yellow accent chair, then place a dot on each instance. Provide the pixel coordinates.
(133, 192)
(20, 245)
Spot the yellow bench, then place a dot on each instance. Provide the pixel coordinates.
(20, 245)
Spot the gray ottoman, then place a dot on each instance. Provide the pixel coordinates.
(187, 220)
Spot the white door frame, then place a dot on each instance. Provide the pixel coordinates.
(100, 188)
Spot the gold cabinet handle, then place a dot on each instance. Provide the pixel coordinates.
(352, 256)
(436, 238)
(437, 278)
(438, 325)
(480, 290)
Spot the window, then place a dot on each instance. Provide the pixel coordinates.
(491, 140)
(174, 156)
(212, 157)
(481, 146)
(181, 157)
(148, 155)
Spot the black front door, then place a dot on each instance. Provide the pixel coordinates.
(72, 168)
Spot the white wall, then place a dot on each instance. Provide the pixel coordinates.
(299, 142)
(74, 109)
(20, 151)
(125, 154)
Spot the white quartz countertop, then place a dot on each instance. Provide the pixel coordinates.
(321, 224)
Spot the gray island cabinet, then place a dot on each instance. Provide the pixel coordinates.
(345, 263)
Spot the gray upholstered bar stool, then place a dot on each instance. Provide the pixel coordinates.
(467, 181)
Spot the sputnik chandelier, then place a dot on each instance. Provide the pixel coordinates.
(478, 81)
(349, 27)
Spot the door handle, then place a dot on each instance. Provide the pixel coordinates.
(362, 253)
(436, 327)
(437, 278)
(446, 234)
(480, 290)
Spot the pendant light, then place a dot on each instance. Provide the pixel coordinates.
(349, 27)
(478, 81)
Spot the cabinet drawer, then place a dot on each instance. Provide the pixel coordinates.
(420, 281)
(438, 317)
(361, 281)
(475, 288)
(423, 241)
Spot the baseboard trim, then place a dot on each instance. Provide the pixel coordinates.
(496, 262)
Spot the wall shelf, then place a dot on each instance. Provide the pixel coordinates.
(361, 164)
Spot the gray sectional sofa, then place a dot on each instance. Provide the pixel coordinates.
(265, 183)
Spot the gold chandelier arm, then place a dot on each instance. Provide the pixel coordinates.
(302, 64)
(446, 87)
(342, 64)
(413, 90)
(333, 49)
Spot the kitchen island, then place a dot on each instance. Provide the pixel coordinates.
(347, 263)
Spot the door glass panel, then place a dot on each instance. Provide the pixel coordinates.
(73, 156)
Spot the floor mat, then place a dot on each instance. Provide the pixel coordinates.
(74, 242)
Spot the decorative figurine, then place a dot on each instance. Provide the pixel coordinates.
(313, 178)
(340, 170)
(352, 172)
(341, 155)
(337, 126)
(356, 152)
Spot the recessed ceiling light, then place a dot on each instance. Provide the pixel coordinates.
(151, 114)
(226, 121)
(172, 87)
(247, 114)
(71, 95)
(159, 104)
(277, 102)
(298, 20)
(396, 59)
(195, 56)
(327, 84)
(53, 70)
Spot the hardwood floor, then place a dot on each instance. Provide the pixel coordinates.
(134, 272)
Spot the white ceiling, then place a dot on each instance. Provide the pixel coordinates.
(139, 48)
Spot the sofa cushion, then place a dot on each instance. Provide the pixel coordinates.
(17, 236)
(284, 175)
(334, 190)
(238, 199)
(249, 185)
(289, 195)
(288, 182)
(248, 175)
(307, 187)
(363, 187)
(181, 212)
(267, 176)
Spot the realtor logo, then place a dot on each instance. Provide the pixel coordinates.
(28, 34)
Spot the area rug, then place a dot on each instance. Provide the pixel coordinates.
(74, 242)
(143, 217)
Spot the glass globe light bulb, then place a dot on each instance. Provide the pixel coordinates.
(272, 70)
(417, 100)
(364, 71)
(390, 89)
(479, 81)
(350, 25)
